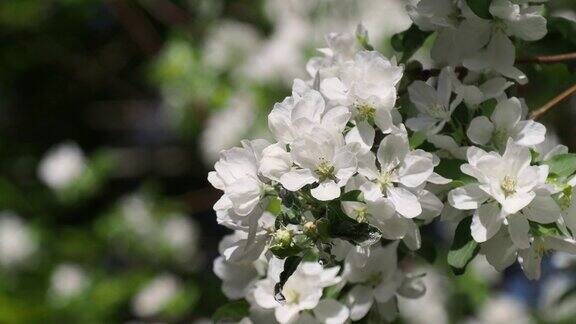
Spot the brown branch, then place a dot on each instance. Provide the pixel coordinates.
(548, 58)
(552, 103)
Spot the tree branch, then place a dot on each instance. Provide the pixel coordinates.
(548, 58)
(552, 103)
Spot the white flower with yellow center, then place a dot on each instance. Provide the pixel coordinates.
(508, 190)
(321, 158)
(301, 292)
(506, 122)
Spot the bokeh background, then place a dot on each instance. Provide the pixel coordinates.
(112, 113)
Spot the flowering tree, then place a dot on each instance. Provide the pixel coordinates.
(369, 151)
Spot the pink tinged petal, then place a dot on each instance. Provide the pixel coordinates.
(326, 191)
(359, 301)
(296, 179)
(529, 132)
(519, 229)
(405, 202)
(530, 261)
(480, 130)
(244, 195)
(415, 170)
(330, 311)
(486, 222)
(500, 252)
(543, 210)
(467, 197)
(514, 203)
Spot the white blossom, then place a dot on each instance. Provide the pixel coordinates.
(62, 165)
(506, 122)
(302, 291)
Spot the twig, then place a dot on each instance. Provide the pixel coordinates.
(548, 58)
(552, 103)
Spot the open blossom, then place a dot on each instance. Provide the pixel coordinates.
(303, 111)
(323, 158)
(398, 169)
(62, 165)
(506, 122)
(378, 282)
(302, 291)
(506, 184)
(501, 252)
(236, 173)
(434, 105)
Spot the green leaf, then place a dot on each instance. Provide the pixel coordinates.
(354, 195)
(563, 164)
(232, 312)
(274, 206)
(346, 228)
(408, 42)
(540, 230)
(481, 8)
(290, 266)
(417, 139)
(463, 248)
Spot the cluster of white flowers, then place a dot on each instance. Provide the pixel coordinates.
(325, 218)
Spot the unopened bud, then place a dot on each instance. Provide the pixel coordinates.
(283, 237)
(310, 229)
